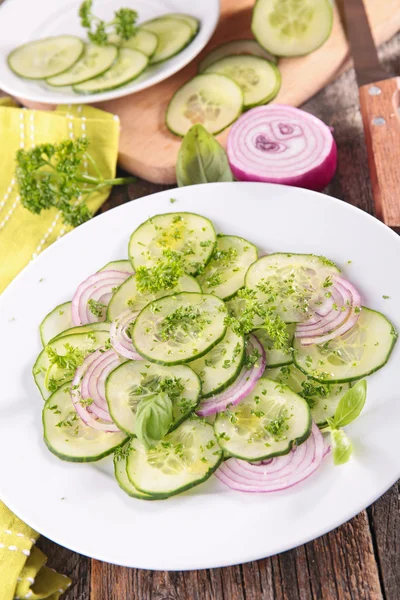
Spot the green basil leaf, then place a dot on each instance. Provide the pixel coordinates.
(153, 419)
(341, 447)
(201, 159)
(350, 405)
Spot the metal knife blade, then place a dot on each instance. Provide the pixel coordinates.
(365, 57)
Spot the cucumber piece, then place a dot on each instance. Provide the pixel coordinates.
(105, 327)
(128, 296)
(232, 48)
(177, 329)
(267, 423)
(58, 320)
(95, 61)
(84, 342)
(193, 23)
(190, 235)
(118, 265)
(364, 349)
(322, 398)
(121, 475)
(173, 36)
(224, 274)
(144, 41)
(47, 57)
(211, 99)
(68, 437)
(258, 78)
(274, 357)
(127, 67)
(292, 283)
(292, 28)
(132, 381)
(220, 367)
(185, 458)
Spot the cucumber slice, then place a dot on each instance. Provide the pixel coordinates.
(121, 475)
(274, 357)
(220, 367)
(192, 236)
(144, 41)
(322, 398)
(58, 320)
(128, 66)
(265, 424)
(95, 61)
(177, 329)
(259, 79)
(128, 296)
(68, 437)
(105, 327)
(364, 349)
(224, 274)
(185, 458)
(118, 265)
(47, 57)
(193, 23)
(84, 342)
(132, 381)
(232, 48)
(211, 99)
(291, 282)
(173, 36)
(292, 28)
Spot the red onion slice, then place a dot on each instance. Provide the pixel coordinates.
(282, 144)
(240, 388)
(281, 473)
(98, 287)
(119, 339)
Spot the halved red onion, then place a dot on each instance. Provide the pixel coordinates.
(88, 382)
(240, 388)
(342, 316)
(98, 287)
(119, 338)
(282, 144)
(279, 474)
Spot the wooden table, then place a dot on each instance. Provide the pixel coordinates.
(359, 560)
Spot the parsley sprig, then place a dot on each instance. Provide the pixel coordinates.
(99, 31)
(51, 175)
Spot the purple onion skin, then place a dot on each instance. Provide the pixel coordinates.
(316, 179)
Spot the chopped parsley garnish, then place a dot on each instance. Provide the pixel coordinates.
(99, 31)
(385, 297)
(277, 427)
(251, 359)
(172, 200)
(68, 421)
(95, 307)
(186, 320)
(163, 276)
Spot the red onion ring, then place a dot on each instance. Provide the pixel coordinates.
(97, 287)
(240, 388)
(119, 339)
(281, 473)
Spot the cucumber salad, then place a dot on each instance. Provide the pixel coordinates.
(116, 52)
(200, 355)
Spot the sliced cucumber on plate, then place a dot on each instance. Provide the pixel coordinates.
(274, 357)
(144, 41)
(267, 423)
(235, 47)
(102, 326)
(173, 36)
(95, 61)
(47, 57)
(121, 475)
(68, 437)
(179, 328)
(292, 28)
(185, 458)
(211, 99)
(58, 320)
(193, 23)
(259, 79)
(133, 381)
(129, 65)
(364, 349)
(118, 265)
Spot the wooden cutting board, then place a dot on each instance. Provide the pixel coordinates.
(149, 150)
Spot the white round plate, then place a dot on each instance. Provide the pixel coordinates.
(80, 506)
(44, 18)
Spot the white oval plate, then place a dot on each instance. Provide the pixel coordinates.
(80, 506)
(44, 18)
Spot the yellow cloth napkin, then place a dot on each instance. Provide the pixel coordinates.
(23, 236)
